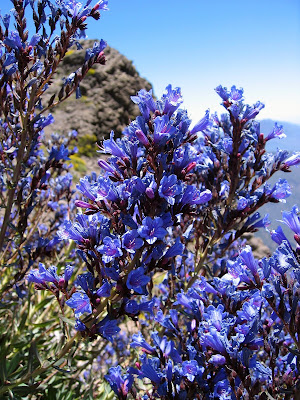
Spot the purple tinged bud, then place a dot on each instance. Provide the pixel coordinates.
(191, 166)
(193, 324)
(142, 137)
(150, 193)
(83, 204)
(104, 165)
(217, 359)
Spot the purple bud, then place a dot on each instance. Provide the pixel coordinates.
(150, 193)
(142, 137)
(104, 165)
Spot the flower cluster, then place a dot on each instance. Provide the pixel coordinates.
(35, 173)
(171, 207)
(155, 261)
(231, 337)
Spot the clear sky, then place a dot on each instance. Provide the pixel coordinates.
(199, 44)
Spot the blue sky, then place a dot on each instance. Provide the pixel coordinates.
(197, 45)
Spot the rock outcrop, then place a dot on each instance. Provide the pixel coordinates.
(105, 104)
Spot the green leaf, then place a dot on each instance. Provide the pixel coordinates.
(43, 303)
(67, 320)
(3, 370)
(43, 324)
(14, 362)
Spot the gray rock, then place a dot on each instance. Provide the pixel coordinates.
(105, 104)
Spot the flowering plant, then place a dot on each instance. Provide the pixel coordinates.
(162, 277)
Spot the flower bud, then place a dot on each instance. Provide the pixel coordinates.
(142, 137)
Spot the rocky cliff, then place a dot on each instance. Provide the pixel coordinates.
(105, 104)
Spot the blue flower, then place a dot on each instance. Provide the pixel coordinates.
(68, 272)
(222, 92)
(236, 94)
(145, 102)
(120, 384)
(213, 339)
(86, 282)
(110, 146)
(214, 316)
(58, 154)
(137, 279)
(86, 188)
(150, 370)
(194, 196)
(139, 341)
(175, 250)
(252, 112)
(43, 275)
(14, 41)
(281, 190)
(152, 229)
(222, 390)
(278, 235)
(80, 302)
(172, 99)
(163, 130)
(277, 132)
(246, 256)
(190, 369)
(201, 125)
(104, 290)
(108, 328)
(293, 160)
(105, 190)
(131, 241)
(111, 248)
(79, 326)
(96, 50)
(169, 188)
(242, 203)
(291, 219)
